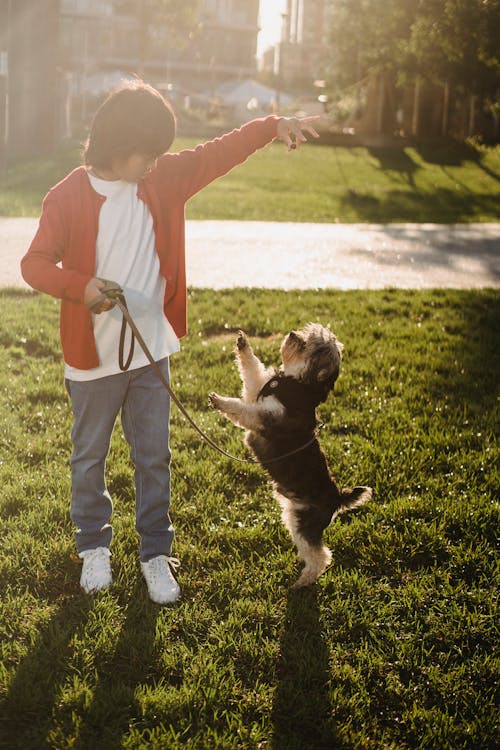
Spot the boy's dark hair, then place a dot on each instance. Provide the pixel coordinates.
(134, 119)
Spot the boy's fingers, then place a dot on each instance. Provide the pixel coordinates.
(306, 124)
(294, 136)
(312, 131)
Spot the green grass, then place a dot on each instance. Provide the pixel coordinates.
(445, 182)
(397, 644)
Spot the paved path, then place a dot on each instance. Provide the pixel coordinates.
(291, 256)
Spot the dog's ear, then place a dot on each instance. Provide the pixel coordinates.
(297, 339)
(328, 379)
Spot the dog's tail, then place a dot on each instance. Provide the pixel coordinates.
(350, 499)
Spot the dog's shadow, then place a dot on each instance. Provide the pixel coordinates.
(302, 712)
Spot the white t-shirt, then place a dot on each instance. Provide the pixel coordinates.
(126, 254)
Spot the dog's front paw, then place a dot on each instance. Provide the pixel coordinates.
(242, 341)
(214, 400)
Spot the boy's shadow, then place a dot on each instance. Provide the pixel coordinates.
(31, 707)
(113, 701)
(302, 712)
(34, 689)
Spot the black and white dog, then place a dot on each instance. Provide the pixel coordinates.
(278, 412)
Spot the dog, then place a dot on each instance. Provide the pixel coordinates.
(278, 411)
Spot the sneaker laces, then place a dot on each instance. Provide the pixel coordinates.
(157, 563)
(174, 562)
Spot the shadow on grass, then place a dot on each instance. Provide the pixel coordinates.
(113, 705)
(441, 206)
(469, 374)
(301, 712)
(449, 153)
(395, 160)
(34, 690)
(47, 670)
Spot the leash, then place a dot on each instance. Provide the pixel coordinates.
(114, 292)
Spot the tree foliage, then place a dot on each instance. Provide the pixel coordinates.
(438, 40)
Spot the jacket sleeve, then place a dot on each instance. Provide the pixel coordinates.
(193, 169)
(40, 268)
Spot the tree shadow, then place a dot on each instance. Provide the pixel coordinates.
(442, 206)
(302, 713)
(448, 153)
(469, 371)
(395, 160)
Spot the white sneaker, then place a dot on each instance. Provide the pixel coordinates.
(96, 571)
(162, 586)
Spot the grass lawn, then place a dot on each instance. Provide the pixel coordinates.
(445, 182)
(395, 647)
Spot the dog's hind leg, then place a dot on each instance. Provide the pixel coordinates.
(316, 558)
(252, 372)
(305, 525)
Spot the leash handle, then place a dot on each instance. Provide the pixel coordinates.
(122, 304)
(111, 291)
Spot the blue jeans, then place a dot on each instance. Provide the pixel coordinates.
(145, 416)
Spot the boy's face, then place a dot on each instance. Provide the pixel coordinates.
(133, 168)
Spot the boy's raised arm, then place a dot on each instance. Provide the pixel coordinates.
(198, 167)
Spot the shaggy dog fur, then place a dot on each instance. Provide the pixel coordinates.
(278, 412)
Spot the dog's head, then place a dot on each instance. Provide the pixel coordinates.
(312, 355)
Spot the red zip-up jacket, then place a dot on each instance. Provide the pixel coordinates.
(61, 258)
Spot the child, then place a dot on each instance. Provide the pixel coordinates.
(120, 216)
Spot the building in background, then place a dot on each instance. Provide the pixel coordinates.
(303, 52)
(226, 41)
(57, 56)
(102, 35)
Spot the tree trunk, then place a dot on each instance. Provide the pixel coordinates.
(380, 103)
(415, 123)
(472, 115)
(446, 108)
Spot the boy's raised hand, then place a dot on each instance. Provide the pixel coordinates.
(290, 130)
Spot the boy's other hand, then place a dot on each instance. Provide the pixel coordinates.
(92, 291)
(290, 130)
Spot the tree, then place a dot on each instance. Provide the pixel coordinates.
(450, 42)
(457, 41)
(370, 35)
